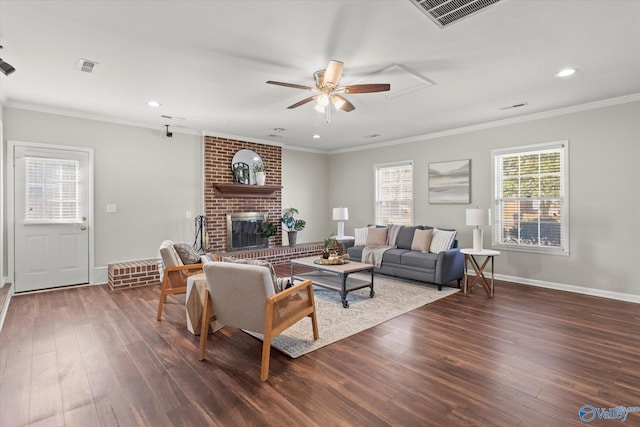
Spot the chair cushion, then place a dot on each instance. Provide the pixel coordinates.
(405, 236)
(187, 254)
(278, 284)
(419, 259)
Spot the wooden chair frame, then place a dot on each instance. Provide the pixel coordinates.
(270, 331)
(166, 289)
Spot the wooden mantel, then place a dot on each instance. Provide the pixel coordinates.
(245, 190)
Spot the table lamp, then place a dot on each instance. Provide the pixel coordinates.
(340, 214)
(478, 218)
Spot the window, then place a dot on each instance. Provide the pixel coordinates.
(51, 190)
(394, 193)
(531, 198)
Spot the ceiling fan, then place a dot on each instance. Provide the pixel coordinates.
(328, 91)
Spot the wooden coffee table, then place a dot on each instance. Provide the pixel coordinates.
(334, 277)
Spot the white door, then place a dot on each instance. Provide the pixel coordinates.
(51, 239)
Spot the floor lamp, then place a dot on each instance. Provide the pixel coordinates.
(478, 218)
(340, 214)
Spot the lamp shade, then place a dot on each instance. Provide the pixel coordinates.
(478, 217)
(340, 214)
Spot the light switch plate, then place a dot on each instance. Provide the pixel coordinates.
(112, 208)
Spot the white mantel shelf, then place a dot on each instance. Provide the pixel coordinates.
(245, 190)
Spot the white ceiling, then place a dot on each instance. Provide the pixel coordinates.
(208, 61)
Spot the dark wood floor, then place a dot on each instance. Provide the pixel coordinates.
(530, 356)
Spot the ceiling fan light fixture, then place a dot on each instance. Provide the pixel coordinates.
(319, 108)
(338, 103)
(323, 100)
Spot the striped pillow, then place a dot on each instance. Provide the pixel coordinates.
(361, 236)
(441, 240)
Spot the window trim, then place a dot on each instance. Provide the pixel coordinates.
(565, 234)
(375, 186)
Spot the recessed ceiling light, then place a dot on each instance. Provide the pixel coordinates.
(154, 104)
(279, 129)
(316, 136)
(566, 72)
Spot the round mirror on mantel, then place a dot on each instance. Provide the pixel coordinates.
(248, 157)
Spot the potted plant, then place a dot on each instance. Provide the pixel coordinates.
(329, 242)
(292, 225)
(259, 171)
(269, 229)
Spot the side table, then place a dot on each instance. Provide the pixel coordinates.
(345, 241)
(470, 258)
(194, 304)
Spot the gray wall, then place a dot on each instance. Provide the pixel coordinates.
(153, 180)
(604, 195)
(305, 187)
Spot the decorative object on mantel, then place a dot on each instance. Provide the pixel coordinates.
(478, 218)
(248, 157)
(292, 225)
(449, 182)
(340, 214)
(240, 173)
(259, 171)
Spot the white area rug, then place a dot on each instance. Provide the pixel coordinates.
(393, 298)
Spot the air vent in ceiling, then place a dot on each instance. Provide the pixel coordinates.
(86, 65)
(446, 12)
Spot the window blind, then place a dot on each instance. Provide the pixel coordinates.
(51, 193)
(531, 200)
(394, 193)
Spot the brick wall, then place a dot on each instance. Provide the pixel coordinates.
(130, 274)
(218, 154)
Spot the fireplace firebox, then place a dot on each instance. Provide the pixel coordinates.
(244, 230)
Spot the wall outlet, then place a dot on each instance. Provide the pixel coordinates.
(188, 214)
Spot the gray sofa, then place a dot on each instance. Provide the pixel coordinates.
(439, 269)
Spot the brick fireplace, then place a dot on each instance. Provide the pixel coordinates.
(218, 154)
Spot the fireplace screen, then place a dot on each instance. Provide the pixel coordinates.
(244, 230)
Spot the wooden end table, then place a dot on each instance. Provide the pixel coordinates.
(470, 258)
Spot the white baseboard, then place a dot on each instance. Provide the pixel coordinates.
(5, 280)
(5, 306)
(569, 288)
(100, 275)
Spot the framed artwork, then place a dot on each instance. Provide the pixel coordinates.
(450, 182)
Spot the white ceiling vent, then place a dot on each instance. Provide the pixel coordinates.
(446, 12)
(86, 65)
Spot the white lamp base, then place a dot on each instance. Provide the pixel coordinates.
(340, 229)
(477, 239)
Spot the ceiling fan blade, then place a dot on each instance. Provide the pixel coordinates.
(342, 103)
(271, 82)
(304, 101)
(333, 73)
(366, 88)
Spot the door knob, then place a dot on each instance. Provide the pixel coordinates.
(83, 228)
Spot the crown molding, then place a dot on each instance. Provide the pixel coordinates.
(498, 123)
(97, 117)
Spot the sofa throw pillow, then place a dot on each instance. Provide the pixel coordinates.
(441, 240)
(405, 236)
(361, 236)
(187, 254)
(377, 236)
(278, 284)
(422, 240)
